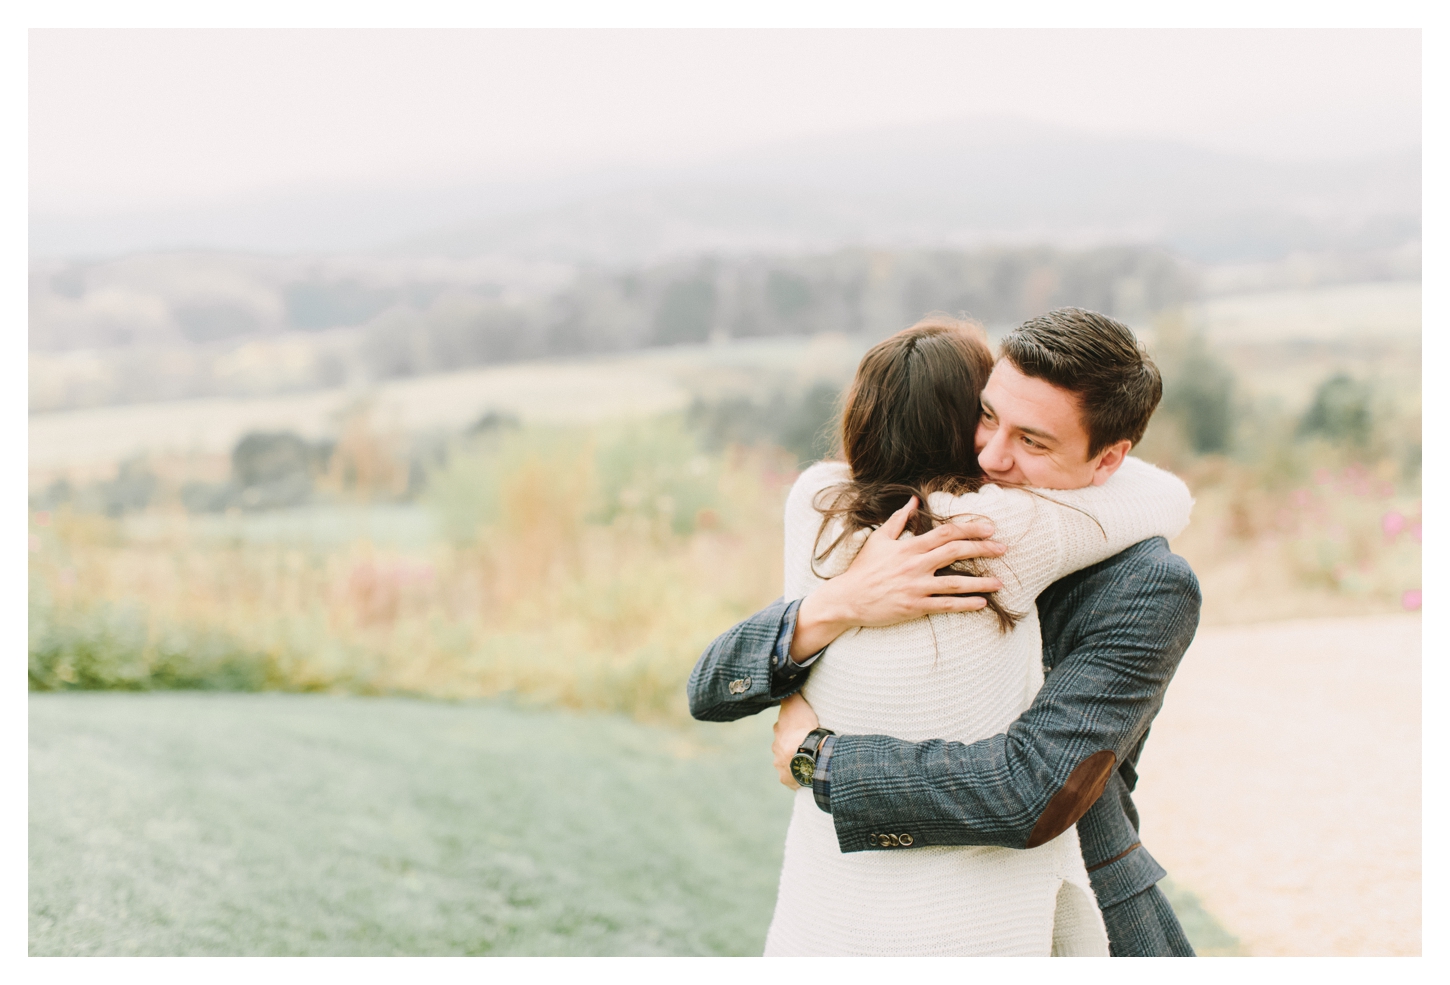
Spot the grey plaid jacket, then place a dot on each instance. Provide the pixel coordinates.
(1113, 636)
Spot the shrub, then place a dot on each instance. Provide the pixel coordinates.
(655, 472)
(107, 646)
(1341, 411)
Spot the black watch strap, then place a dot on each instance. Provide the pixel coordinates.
(812, 742)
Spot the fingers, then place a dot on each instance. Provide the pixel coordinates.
(960, 550)
(964, 585)
(949, 603)
(896, 522)
(973, 529)
(942, 533)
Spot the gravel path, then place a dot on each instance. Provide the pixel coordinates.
(1282, 784)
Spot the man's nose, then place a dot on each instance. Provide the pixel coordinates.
(993, 455)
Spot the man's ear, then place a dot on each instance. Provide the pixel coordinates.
(1108, 461)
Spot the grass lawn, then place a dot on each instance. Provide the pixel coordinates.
(195, 823)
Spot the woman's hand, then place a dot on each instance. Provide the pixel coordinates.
(892, 580)
(796, 721)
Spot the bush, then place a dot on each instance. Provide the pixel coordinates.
(1198, 389)
(657, 473)
(1341, 411)
(511, 479)
(110, 647)
(1354, 533)
(1200, 395)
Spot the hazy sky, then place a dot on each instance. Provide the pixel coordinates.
(140, 119)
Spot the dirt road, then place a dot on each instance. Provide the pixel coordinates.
(1282, 784)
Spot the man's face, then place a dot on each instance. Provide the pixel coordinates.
(1032, 433)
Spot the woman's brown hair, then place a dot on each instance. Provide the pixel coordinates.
(909, 428)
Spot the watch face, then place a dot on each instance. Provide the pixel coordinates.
(803, 768)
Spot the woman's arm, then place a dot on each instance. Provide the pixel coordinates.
(1053, 532)
(1138, 502)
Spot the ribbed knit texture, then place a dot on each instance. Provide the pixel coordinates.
(953, 676)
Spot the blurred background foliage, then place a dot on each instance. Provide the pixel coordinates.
(114, 331)
(457, 472)
(585, 563)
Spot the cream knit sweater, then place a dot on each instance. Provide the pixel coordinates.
(952, 676)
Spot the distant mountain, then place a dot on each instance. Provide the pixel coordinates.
(959, 185)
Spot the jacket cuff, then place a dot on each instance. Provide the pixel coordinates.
(821, 780)
(787, 675)
(1125, 877)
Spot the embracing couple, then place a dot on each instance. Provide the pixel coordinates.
(981, 616)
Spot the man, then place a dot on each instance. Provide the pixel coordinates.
(1071, 394)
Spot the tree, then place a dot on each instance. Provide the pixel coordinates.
(1340, 411)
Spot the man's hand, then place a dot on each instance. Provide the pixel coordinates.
(893, 580)
(795, 722)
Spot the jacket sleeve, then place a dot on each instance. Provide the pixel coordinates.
(1024, 787)
(741, 673)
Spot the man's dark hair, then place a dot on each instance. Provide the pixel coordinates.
(1100, 360)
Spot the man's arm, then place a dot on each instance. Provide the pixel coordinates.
(748, 668)
(760, 661)
(1028, 785)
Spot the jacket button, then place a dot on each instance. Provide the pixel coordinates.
(740, 686)
(907, 840)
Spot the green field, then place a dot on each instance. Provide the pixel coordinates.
(187, 823)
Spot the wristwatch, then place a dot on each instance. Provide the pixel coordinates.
(803, 763)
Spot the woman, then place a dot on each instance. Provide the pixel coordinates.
(908, 428)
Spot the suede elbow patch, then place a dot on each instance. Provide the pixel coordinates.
(1080, 792)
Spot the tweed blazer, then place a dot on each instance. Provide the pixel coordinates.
(1113, 635)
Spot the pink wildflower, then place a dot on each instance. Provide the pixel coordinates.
(1323, 476)
(415, 574)
(42, 519)
(1392, 523)
(1410, 600)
